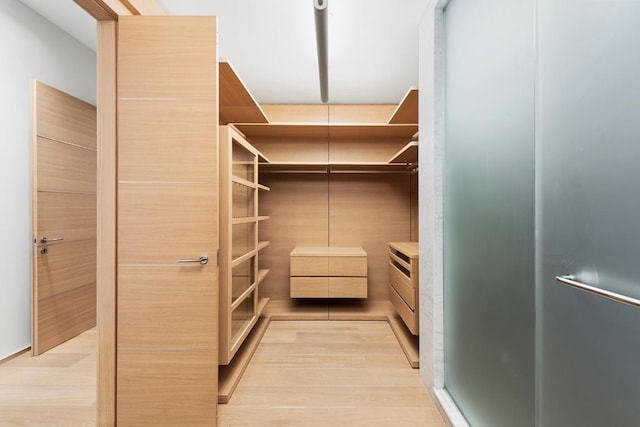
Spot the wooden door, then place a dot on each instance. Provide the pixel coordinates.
(167, 310)
(64, 217)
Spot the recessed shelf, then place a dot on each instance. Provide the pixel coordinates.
(261, 275)
(242, 181)
(333, 167)
(262, 245)
(334, 131)
(263, 187)
(243, 220)
(263, 218)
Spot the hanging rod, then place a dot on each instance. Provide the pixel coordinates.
(322, 42)
(570, 280)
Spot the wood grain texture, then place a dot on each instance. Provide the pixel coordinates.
(309, 266)
(363, 150)
(71, 216)
(309, 287)
(348, 266)
(166, 388)
(150, 62)
(237, 105)
(64, 316)
(183, 214)
(403, 286)
(407, 110)
(167, 141)
(347, 287)
(409, 317)
(64, 167)
(370, 211)
(407, 154)
(298, 207)
(65, 267)
(415, 208)
(303, 149)
(65, 118)
(167, 307)
(96, 9)
(106, 229)
(297, 113)
(360, 113)
(408, 342)
(321, 378)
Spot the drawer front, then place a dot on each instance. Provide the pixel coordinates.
(409, 317)
(403, 285)
(309, 266)
(347, 287)
(348, 266)
(309, 287)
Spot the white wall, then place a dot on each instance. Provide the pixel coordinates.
(31, 48)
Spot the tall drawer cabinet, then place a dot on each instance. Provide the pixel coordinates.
(323, 272)
(403, 282)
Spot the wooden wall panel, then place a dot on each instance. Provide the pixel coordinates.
(67, 215)
(298, 206)
(151, 215)
(166, 388)
(65, 167)
(63, 316)
(357, 150)
(414, 208)
(346, 113)
(296, 113)
(152, 47)
(62, 117)
(370, 210)
(66, 267)
(166, 307)
(154, 147)
(293, 150)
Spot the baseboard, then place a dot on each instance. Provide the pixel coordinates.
(448, 408)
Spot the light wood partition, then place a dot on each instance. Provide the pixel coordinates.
(64, 209)
(166, 370)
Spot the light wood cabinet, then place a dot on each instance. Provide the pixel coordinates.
(403, 282)
(323, 272)
(240, 275)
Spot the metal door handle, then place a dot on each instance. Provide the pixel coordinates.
(202, 260)
(46, 240)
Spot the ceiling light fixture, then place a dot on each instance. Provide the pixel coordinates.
(321, 16)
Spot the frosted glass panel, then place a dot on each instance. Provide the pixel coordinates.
(589, 123)
(489, 211)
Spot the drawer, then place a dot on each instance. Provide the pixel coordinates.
(403, 286)
(309, 287)
(348, 266)
(409, 316)
(347, 287)
(309, 266)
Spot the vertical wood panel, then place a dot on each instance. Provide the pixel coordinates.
(370, 211)
(106, 266)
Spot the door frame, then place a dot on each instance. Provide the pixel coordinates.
(106, 13)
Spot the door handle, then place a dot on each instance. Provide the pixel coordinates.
(202, 260)
(46, 240)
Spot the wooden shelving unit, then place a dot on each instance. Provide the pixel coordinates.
(333, 167)
(237, 105)
(407, 111)
(240, 276)
(403, 132)
(408, 154)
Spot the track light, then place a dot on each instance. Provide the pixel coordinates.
(321, 16)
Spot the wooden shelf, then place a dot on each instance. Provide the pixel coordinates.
(407, 111)
(334, 167)
(262, 245)
(243, 296)
(261, 275)
(242, 181)
(408, 154)
(402, 132)
(244, 220)
(263, 187)
(263, 218)
(237, 105)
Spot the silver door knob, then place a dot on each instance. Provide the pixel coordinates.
(202, 260)
(46, 240)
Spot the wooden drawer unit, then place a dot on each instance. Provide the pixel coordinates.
(403, 282)
(323, 272)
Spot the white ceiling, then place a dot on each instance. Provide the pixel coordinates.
(373, 44)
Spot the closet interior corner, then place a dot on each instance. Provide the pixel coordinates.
(310, 198)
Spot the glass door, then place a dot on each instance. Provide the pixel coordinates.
(588, 209)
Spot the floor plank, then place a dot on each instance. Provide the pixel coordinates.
(337, 373)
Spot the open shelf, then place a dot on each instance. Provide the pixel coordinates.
(407, 111)
(263, 187)
(237, 105)
(408, 154)
(261, 275)
(262, 245)
(242, 181)
(402, 132)
(333, 167)
(262, 218)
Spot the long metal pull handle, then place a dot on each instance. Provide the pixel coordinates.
(570, 280)
(46, 240)
(202, 260)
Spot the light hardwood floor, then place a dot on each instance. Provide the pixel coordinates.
(304, 373)
(329, 373)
